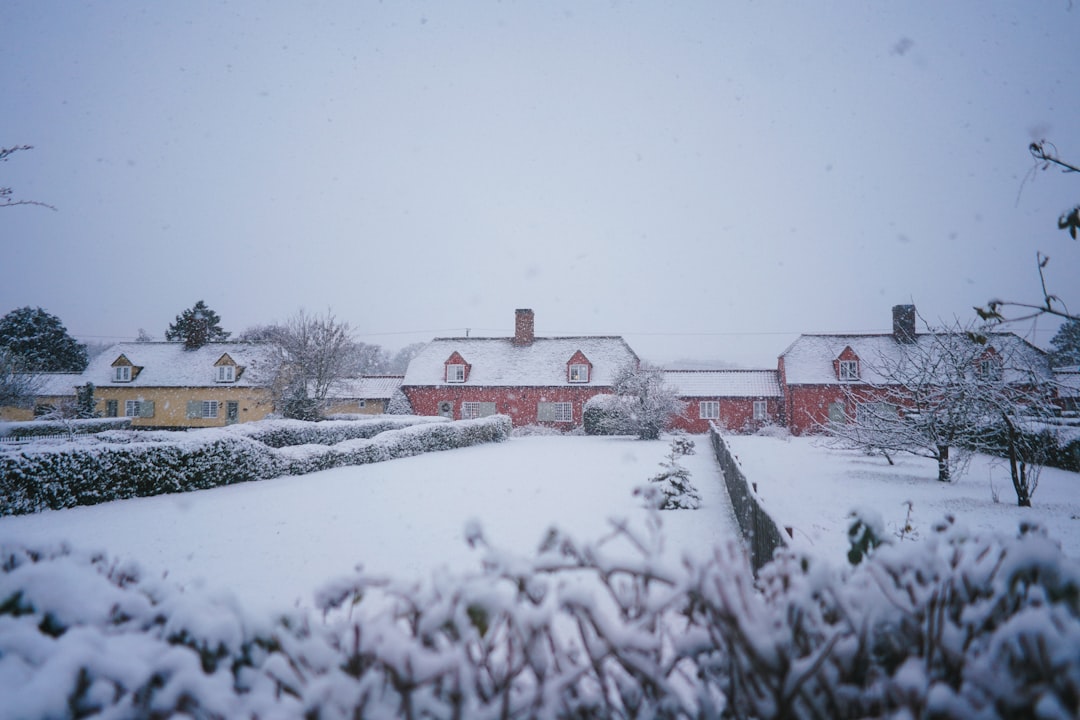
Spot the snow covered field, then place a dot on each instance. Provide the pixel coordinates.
(274, 542)
(813, 489)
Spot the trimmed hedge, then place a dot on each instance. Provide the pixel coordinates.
(68, 475)
(47, 428)
(283, 433)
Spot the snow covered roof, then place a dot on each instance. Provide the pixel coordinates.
(724, 383)
(498, 362)
(1068, 381)
(54, 384)
(809, 359)
(366, 387)
(168, 364)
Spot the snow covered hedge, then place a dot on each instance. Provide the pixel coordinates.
(283, 433)
(134, 464)
(45, 428)
(953, 626)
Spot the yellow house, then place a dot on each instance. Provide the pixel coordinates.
(53, 391)
(364, 395)
(162, 385)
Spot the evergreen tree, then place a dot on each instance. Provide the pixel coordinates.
(1066, 344)
(42, 341)
(197, 326)
(84, 401)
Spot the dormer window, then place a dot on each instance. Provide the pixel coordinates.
(226, 373)
(579, 373)
(455, 373)
(988, 367)
(848, 369)
(578, 368)
(122, 373)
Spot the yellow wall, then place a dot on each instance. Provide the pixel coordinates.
(170, 404)
(10, 413)
(371, 407)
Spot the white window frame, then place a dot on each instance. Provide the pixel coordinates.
(226, 373)
(470, 410)
(579, 373)
(560, 412)
(761, 409)
(210, 409)
(455, 373)
(122, 374)
(848, 369)
(132, 408)
(990, 368)
(362, 403)
(709, 409)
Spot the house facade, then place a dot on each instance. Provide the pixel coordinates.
(533, 380)
(826, 377)
(364, 395)
(55, 391)
(162, 385)
(738, 400)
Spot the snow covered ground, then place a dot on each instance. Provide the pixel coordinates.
(814, 489)
(273, 543)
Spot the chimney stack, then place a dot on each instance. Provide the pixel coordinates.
(523, 327)
(903, 323)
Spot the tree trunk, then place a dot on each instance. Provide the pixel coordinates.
(1017, 468)
(943, 463)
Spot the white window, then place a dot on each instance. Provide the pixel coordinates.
(226, 373)
(136, 408)
(209, 408)
(761, 409)
(362, 404)
(579, 373)
(849, 369)
(709, 410)
(554, 412)
(471, 410)
(990, 369)
(123, 373)
(455, 373)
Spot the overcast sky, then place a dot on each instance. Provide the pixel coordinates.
(706, 179)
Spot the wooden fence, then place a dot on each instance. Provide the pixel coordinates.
(758, 529)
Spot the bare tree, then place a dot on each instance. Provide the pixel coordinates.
(19, 386)
(6, 193)
(948, 394)
(312, 354)
(1045, 155)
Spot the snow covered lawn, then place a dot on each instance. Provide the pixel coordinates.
(274, 542)
(813, 489)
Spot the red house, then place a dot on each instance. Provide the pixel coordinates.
(825, 377)
(738, 400)
(534, 380)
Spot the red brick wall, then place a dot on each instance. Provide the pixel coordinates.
(808, 405)
(517, 402)
(736, 414)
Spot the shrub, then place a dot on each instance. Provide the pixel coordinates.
(955, 626)
(144, 464)
(608, 415)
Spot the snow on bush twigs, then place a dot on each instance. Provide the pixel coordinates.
(957, 626)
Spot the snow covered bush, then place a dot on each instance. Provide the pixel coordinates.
(606, 414)
(671, 489)
(282, 433)
(141, 464)
(955, 626)
(45, 428)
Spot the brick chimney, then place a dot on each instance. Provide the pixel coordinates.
(903, 323)
(523, 327)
